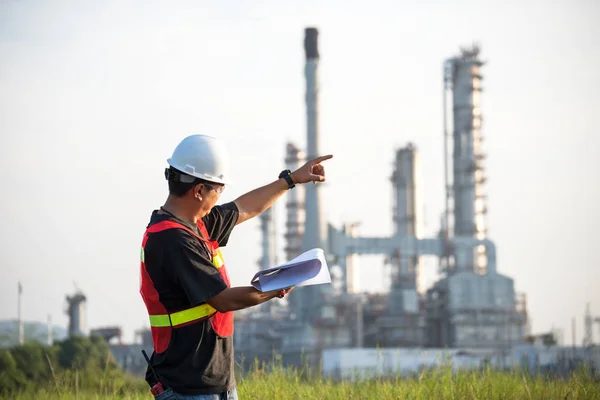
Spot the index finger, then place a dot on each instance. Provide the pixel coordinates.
(322, 158)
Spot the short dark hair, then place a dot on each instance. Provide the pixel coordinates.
(178, 188)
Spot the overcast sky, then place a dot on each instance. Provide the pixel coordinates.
(95, 95)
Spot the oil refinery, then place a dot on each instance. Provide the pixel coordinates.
(471, 309)
(471, 314)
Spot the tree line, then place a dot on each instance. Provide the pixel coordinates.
(83, 362)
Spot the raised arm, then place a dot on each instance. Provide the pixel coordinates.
(258, 200)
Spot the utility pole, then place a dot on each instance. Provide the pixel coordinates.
(50, 338)
(20, 316)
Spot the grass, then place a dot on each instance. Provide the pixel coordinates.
(268, 383)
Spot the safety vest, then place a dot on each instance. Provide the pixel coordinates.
(162, 322)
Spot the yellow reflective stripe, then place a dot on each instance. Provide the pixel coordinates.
(218, 259)
(185, 316)
(182, 317)
(142, 255)
(158, 321)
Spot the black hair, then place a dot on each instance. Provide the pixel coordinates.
(178, 188)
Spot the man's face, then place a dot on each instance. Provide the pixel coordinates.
(209, 193)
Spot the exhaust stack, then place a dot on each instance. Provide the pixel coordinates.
(308, 304)
(314, 232)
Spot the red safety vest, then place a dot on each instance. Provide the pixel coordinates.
(162, 322)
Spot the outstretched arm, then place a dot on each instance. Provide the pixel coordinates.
(258, 200)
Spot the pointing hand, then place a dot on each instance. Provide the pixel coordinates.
(312, 171)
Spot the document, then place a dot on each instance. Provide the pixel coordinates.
(309, 268)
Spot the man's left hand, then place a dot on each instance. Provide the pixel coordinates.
(312, 171)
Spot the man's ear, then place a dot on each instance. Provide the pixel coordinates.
(198, 190)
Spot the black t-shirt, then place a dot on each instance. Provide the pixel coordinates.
(196, 361)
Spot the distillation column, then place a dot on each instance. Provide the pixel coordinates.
(294, 205)
(407, 220)
(268, 257)
(295, 216)
(463, 79)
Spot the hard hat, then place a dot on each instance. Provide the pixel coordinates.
(202, 156)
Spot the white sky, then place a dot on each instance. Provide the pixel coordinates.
(95, 95)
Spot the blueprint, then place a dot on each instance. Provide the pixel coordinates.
(309, 268)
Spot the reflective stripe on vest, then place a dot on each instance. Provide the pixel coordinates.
(182, 317)
(217, 259)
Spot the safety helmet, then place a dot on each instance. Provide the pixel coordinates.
(203, 157)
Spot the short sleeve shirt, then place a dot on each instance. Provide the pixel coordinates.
(196, 361)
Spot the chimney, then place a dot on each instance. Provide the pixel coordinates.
(307, 301)
(314, 232)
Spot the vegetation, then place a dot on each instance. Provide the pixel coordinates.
(81, 369)
(76, 365)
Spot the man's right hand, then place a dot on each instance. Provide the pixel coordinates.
(238, 298)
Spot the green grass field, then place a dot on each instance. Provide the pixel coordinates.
(279, 384)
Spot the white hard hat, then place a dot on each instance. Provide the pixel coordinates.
(202, 156)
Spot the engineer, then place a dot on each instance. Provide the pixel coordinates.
(184, 281)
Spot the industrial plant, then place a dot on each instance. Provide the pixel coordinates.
(472, 308)
(471, 314)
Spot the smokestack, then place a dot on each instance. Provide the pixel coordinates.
(314, 229)
(20, 316)
(314, 234)
(310, 43)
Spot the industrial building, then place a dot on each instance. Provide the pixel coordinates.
(470, 315)
(472, 305)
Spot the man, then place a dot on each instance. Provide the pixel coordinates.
(184, 281)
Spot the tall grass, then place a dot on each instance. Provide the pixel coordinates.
(437, 384)
(274, 382)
